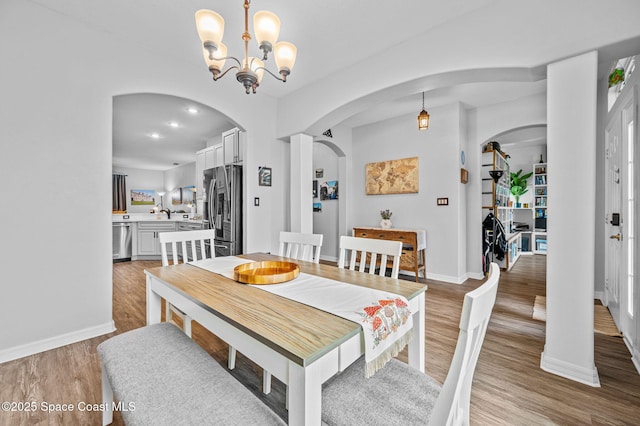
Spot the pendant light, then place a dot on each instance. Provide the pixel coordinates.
(423, 117)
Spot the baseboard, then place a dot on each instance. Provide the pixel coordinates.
(587, 376)
(636, 360)
(476, 275)
(599, 295)
(446, 278)
(329, 258)
(55, 342)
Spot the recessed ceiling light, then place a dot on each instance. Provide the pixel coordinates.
(155, 135)
(174, 124)
(192, 110)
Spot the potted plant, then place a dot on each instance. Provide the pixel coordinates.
(386, 219)
(519, 185)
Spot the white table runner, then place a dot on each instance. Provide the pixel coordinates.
(385, 317)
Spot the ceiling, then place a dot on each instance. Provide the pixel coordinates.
(329, 38)
(136, 117)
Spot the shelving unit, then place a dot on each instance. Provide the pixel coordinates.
(539, 234)
(494, 194)
(495, 199)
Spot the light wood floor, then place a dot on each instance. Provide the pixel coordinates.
(509, 387)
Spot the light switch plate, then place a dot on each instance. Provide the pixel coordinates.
(256, 201)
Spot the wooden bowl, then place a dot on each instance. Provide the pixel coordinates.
(266, 272)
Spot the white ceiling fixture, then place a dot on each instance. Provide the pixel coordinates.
(266, 26)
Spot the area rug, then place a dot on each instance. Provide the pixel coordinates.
(603, 322)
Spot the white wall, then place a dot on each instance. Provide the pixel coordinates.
(326, 221)
(57, 146)
(438, 149)
(141, 179)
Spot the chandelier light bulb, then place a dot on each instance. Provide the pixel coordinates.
(210, 26)
(266, 26)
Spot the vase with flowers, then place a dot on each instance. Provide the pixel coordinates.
(386, 219)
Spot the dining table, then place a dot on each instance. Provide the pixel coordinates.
(301, 345)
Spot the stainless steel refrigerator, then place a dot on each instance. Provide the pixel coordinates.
(222, 206)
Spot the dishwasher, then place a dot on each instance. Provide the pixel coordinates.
(121, 242)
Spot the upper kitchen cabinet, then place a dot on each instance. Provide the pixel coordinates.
(233, 146)
(208, 158)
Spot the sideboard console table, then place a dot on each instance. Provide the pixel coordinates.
(414, 245)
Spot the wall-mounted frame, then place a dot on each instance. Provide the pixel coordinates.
(464, 176)
(143, 197)
(315, 188)
(189, 195)
(329, 190)
(317, 207)
(176, 196)
(264, 176)
(392, 177)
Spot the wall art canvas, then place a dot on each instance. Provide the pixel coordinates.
(176, 196)
(143, 197)
(264, 176)
(315, 189)
(189, 195)
(392, 177)
(329, 190)
(317, 207)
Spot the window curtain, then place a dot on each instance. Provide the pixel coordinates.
(119, 193)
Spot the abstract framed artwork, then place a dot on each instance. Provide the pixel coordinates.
(392, 177)
(264, 176)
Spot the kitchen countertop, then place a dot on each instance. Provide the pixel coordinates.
(152, 217)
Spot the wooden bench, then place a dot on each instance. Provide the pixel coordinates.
(412, 258)
(160, 376)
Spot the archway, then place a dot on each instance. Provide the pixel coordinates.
(332, 220)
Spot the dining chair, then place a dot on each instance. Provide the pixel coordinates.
(192, 245)
(365, 252)
(400, 394)
(300, 246)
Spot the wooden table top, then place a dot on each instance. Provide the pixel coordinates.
(300, 332)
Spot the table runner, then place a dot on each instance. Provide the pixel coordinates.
(385, 317)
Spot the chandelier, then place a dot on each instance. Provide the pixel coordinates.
(423, 117)
(250, 70)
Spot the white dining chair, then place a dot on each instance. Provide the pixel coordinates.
(190, 246)
(365, 252)
(400, 394)
(300, 246)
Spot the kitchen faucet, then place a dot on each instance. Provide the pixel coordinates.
(167, 212)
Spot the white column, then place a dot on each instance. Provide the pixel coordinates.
(301, 183)
(571, 173)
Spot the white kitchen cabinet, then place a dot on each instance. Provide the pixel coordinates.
(207, 158)
(218, 158)
(148, 243)
(232, 146)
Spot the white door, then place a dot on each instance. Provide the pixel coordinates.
(627, 275)
(613, 235)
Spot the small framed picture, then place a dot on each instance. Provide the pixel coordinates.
(264, 176)
(464, 176)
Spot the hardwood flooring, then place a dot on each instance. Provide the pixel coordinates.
(509, 387)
